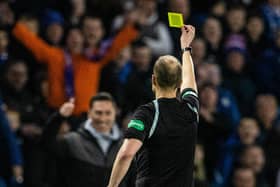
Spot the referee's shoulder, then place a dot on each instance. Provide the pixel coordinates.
(149, 107)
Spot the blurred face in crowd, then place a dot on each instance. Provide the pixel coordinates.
(235, 61)
(78, 7)
(33, 25)
(248, 131)
(236, 19)
(201, 74)
(124, 56)
(142, 57)
(214, 74)
(4, 41)
(93, 31)
(253, 157)
(209, 97)
(219, 8)
(244, 177)
(54, 33)
(274, 2)
(255, 27)
(103, 114)
(181, 6)
(266, 109)
(147, 6)
(6, 13)
(45, 88)
(212, 31)
(17, 75)
(199, 50)
(75, 41)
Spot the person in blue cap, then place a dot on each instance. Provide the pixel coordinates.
(52, 23)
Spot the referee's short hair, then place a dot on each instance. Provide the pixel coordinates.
(168, 72)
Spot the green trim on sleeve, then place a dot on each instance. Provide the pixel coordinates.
(189, 93)
(136, 124)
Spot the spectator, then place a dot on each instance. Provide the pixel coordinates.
(219, 9)
(101, 9)
(4, 55)
(91, 150)
(246, 54)
(201, 74)
(52, 23)
(254, 158)
(214, 128)
(153, 32)
(248, 134)
(94, 32)
(272, 154)
(267, 112)
(20, 100)
(255, 36)
(18, 51)
(6, 14)
(138, 87)
(248, 131)
(78, 9)
(271, 16)
(10, 155)
(236, 19)
(235, 78)
(115, 75)
(243, 177)
(4, 42)
(180, 6)
(226, 102)
(199, 51)
(14, 90)
(213, 34)
(67, 68)
(267, 69)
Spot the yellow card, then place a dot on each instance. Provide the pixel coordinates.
(175, 19)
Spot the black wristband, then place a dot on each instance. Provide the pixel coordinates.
(186, 49)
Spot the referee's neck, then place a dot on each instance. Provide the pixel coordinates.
(165, 93)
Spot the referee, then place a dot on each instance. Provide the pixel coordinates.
(163, 132)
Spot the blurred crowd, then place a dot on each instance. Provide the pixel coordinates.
(51, 51)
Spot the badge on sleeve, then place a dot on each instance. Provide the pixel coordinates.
(136, 124)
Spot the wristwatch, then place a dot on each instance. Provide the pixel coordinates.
(186, 49)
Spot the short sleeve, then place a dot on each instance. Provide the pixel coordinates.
(190, 98)
(140, 124)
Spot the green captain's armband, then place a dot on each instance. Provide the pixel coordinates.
(136, 124)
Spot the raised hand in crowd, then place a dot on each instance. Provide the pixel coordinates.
(67, 108)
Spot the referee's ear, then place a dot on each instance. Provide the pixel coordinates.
(153, 79)
(154, 82)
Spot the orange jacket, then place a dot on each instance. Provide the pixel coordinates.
(86, 72)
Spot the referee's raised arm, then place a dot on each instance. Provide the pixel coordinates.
(188, 75)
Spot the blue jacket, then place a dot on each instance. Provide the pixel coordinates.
(8, 144)
(228, 106)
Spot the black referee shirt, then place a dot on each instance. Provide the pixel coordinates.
(166, 158)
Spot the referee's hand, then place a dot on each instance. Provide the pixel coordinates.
(67, 108)
(187, 35)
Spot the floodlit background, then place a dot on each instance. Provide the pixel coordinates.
(236, 54)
